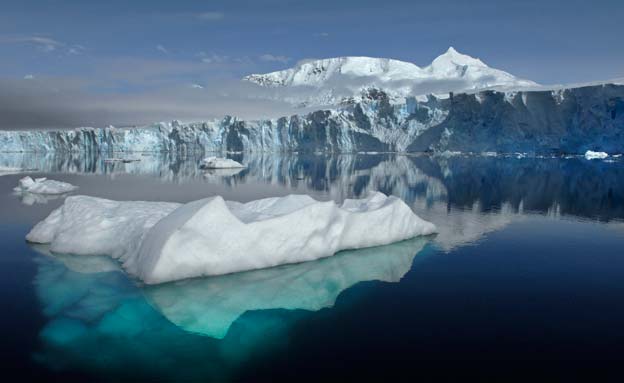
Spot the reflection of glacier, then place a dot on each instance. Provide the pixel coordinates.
(101, 322)
(210, 305)
(569, 186)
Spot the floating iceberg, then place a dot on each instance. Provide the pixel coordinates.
(43, 186)
(220, 163)
(591, 155)
(160, 242)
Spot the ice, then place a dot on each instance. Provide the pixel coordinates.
(587, 119)
(160, 242)
(209, 306)
(591, 155)
(43, 186)
(220, 163)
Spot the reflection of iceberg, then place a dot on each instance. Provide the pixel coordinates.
(32, 198)
(210, 305)
(222, 172)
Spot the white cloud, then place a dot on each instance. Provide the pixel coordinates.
(273, 58)
(29, 77)
(321, 34)
(162, 49)
(44, 44)
(213, 58)
(210, 16)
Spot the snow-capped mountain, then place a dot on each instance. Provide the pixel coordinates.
(335, 80)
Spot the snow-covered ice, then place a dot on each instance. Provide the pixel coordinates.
(43, 186)
(220, 163)
(591, 155)
(160, 242)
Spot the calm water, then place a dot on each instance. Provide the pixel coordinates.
(524, 279)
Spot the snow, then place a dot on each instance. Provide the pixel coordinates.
(450, 72)
(43, 186)
(220, 163)
(160, 242)
(591, 155)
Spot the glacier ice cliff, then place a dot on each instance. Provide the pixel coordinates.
(561, 121)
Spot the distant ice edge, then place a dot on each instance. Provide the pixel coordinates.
(161, 242)
(560, 121)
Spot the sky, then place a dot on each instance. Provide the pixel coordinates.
(69, 63)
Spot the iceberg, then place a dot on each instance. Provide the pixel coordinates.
(220, 163)
(162, 242)
(591, 155)
(43, 186)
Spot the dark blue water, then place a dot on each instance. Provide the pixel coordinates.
(524, 280)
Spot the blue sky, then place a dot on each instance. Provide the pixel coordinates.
(118, 47)
(547, 41)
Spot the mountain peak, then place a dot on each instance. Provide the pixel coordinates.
(451, 71)
(452, 58)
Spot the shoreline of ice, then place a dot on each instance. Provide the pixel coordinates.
(160, 242)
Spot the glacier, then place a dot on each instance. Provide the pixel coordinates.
(162, 242)
(561, 121)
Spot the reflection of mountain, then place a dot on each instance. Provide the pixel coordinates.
(99, 321)
(210, 305)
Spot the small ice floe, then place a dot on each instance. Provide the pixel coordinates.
(591, 155)
(43, 186)
(219, 163)
(161, 242)
(489, 154)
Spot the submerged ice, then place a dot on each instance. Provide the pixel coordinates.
(160, 242)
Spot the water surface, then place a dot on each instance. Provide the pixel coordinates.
(523, 280)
